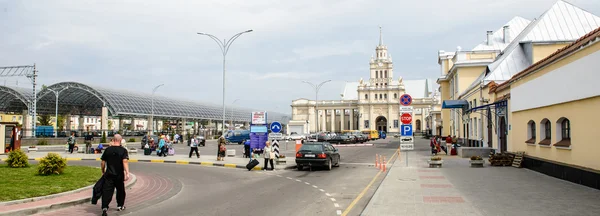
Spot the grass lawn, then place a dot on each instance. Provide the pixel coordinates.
(21, 183)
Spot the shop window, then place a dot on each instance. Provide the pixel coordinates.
(545, 132)
(531, 131)
(563, 132)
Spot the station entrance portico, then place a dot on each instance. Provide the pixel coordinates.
(381, 124)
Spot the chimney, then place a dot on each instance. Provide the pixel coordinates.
(506, 32)
(489, 37)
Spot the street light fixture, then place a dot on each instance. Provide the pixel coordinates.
(56, 93)
(317, 88)
(224, 45)
(152, 114)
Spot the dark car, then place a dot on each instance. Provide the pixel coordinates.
(323, 137)
(342, 139)
(317, 154)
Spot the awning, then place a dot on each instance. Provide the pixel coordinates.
(455, 104)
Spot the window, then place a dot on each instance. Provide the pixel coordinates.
(366, 123)
(563, 133)
(380, 96)
(474, 102)
(545, 132)
(395, 123)
(376, 74)
(386, 75)
(384, 96)
(366, 96)
(14, 118)
(475, 127)
(395, 95)
(531, 132)
(376, 85)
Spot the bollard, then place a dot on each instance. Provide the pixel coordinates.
(376, 161)
(384, 164)
(381, 162)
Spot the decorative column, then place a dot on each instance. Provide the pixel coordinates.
(104, 120)
(371, 119)
(324, 121)
(333, 120)
(196, 127)
(342, 114)
(26, 125)
(390, 119)
(352, 118)
(80, 126)
(312, 119)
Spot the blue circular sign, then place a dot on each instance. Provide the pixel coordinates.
(406, 100)
(275, 127)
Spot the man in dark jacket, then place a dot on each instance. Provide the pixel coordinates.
(97, 191)
(115, 169)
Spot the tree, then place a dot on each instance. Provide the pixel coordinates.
(110, 124)
(61, 122)
(44, 87)
(44, 120)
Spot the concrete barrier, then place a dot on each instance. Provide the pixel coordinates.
(231, 153)
(467, 152)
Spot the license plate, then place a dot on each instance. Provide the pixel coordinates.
(309, 155)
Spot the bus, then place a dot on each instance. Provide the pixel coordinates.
(372, 134)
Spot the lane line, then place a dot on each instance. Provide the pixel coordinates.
(362, 193)
(315, 186)
(306, 183)
(339, 212)
(298, 180)
(336, 205)
(333, 199)
(289, 178)
(327, 194)
(322, 190)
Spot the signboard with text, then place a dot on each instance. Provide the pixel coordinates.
(259, 118)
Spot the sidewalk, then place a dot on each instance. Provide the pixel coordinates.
(40, 204)
(458, 189)
(181, 158)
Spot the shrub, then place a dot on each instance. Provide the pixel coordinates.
(476, 158)
(131, 140)
(52, 164)
(42, 142)
(216, 136)
(17, 159)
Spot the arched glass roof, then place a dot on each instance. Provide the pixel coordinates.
(88, 100)
(15, 99)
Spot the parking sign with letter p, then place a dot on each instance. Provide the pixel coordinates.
(406, 130)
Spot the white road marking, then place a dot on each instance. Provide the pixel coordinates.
(333, 199)
(322, 190)
(336, 205)
(289, 178)
(298, 180)
(327, 194)
(339, 212)
(315, 186)
(306, 183)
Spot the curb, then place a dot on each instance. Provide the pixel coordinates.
(38, 209)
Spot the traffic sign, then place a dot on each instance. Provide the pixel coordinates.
(406, 100)
(406, 109)
(277, 136)
(406, 118)
(406, 130)
(275, 127)
(407, 146)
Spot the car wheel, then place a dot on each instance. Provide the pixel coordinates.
(338, 162)
(329, 165)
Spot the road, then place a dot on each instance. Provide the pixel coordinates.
(198, 190)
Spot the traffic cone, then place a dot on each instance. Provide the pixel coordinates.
(384, 165)
(376, 161)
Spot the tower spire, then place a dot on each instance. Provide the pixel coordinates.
(380, 37)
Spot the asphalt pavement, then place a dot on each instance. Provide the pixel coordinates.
(200, 190)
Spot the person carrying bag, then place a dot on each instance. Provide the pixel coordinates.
(269, 155)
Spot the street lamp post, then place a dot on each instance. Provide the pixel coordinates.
(236, 100)
(56, 93)
(152, 114)
(317, 88)
(224, 45)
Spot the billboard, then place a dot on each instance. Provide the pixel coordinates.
(259, 118)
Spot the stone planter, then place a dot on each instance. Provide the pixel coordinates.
(435, 163)
(280, 160)
(477, 163)
(34, 149)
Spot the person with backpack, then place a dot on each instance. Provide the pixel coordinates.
(194, 148)
(71, 142)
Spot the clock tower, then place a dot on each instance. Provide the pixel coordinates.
(381, 65)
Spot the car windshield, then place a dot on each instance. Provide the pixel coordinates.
(312, 148)
(347, 134)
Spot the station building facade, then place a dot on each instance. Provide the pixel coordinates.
(528, 88)
(371, 104)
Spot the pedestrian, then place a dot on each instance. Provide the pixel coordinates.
(221, 149)
(247, 148)
(162, 147)
(71, 142)
(89, 137)
(194, 147)
(269, 155)
(144, 140)
(115, 169)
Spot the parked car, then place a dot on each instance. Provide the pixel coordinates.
(237, 136)
(323, 137)
(312, 138)
(342, 139)
(317, 154)
(296, 136)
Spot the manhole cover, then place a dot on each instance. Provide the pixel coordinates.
(407, 179)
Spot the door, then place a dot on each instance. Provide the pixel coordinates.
(502, 134)
(335, 156)
(489, 127)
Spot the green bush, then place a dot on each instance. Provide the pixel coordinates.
(52, 164)
(17, 159)
(216, 136)
(42, 142)
(131, 140)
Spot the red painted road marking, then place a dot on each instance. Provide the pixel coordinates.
(146, 188)
(436, 186)
(442, 199)
(432, 177)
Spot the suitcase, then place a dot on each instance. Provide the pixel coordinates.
(147, 151)
(251, 164)
(171, 151)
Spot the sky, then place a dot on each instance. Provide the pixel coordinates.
(137, 44)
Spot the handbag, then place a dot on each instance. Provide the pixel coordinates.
(272, 155)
